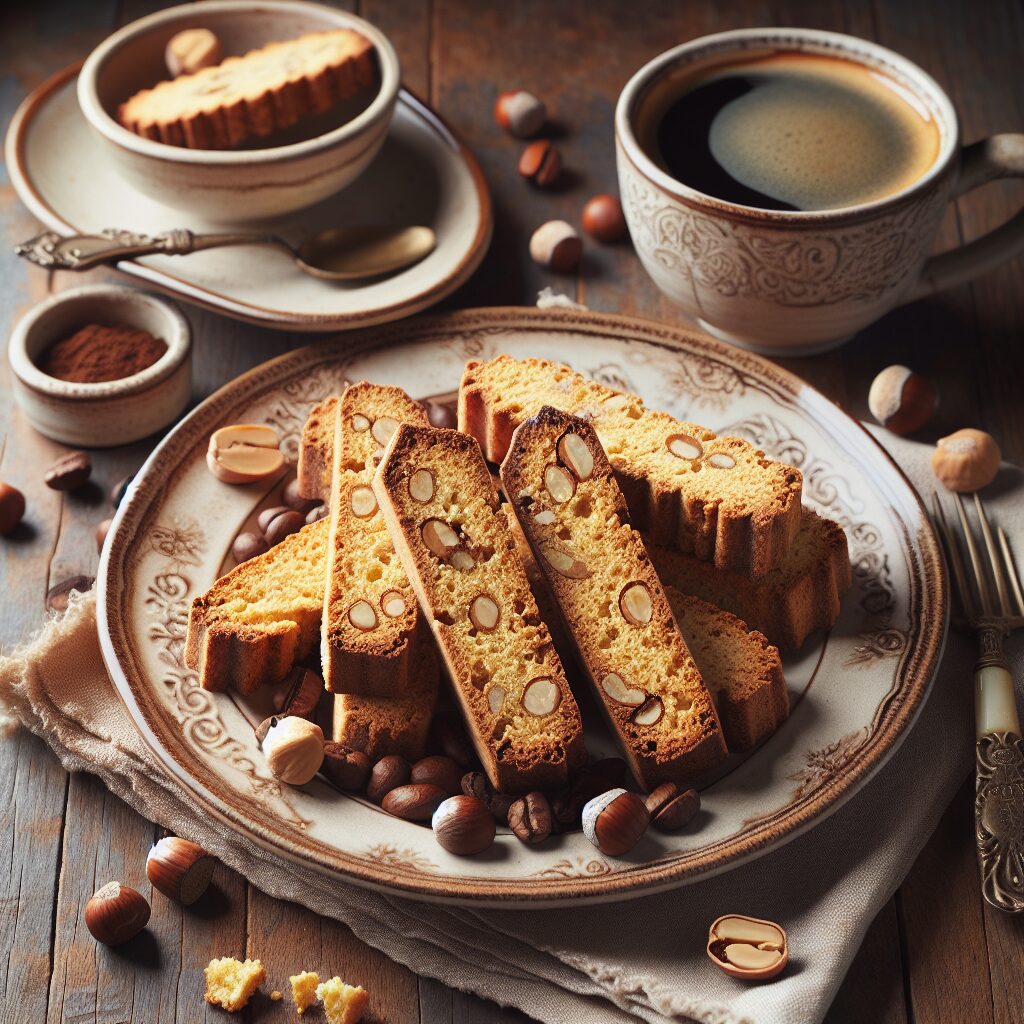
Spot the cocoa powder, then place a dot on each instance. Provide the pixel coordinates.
(99, 352)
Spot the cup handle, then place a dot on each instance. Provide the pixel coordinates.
(999, 156)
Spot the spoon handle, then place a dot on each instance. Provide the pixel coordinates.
(83, 252)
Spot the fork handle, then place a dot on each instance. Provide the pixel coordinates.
(999, 788)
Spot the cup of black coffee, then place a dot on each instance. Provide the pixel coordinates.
(784, 186)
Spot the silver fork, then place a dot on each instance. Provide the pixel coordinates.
(991, 602)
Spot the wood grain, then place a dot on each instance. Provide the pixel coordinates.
(61, 837)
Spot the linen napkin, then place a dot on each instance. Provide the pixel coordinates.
(642, 959)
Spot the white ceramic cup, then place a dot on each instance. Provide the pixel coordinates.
(795, 283)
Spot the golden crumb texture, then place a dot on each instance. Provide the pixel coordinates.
(718, 498)
(230, 983)
(343, 1004)
(304, 987)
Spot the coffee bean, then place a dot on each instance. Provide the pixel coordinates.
(529, 817)
(69, 472)
(284, 525)
(264, 518)
(440, 771)
(248, 545)
(57, 596)
(316, 514)
(388, 773)
(347, 769)
(294, 499)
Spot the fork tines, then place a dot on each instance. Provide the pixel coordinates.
(990, 587)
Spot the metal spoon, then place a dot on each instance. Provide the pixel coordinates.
(338, 254)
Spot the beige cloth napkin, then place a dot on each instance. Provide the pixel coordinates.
(643, 959)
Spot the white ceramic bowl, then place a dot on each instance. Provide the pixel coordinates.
(316, 160)
(112, 412)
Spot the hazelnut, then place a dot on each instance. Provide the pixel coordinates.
(115, 914)
(294, 498)
(284, 525)
(414, 801)
(591, 781)
(529, 817)
(747, 947)
(672, 808)
(901, 400)
(520, 113)
(603, 218)
(12, 508)
(192, 50)
(463, 825)
(248, 545)
(102, 529)
(967, 460)
(244, 453)
(541, 163)
(69, 473)
(439, 771)
(615, 821)
(179, 869)
(347, 769)
(387, 774)
(57, 596)
(294, 749)
(556, 245)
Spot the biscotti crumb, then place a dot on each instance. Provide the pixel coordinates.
(343, 1004)
(277, 995)
(304, 989)
(230, 983)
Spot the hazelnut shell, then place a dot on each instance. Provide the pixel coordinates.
(180, 869)
(116, 913)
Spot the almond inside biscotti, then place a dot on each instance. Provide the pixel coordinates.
(461, 557)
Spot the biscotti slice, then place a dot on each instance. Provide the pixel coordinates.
(391, 725)
(370, 612)
(739, 667)
(253, 624)
(787, 604)
(316, 452)
(253, 96)
(562, 489)
(448, 527)
(717, 497)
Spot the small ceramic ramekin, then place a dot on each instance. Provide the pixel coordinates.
(112, 412)
(246, 184)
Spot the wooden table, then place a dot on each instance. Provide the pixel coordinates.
(936, 952)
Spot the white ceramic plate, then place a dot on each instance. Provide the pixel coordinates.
(423, 175)
(854, 691)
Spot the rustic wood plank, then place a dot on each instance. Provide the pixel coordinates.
(409, 26)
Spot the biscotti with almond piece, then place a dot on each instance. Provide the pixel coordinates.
(742, 671)
(253, 96)
(316, 451)
(254, 623)
(370, 615)
(563, 491)
(718, 498)
(378, 726)
(787, 604)
(447, 525)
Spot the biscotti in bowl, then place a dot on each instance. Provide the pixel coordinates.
(302, 104)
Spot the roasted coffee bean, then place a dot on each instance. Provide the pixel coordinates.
(440, 771)
(294, 499)
(347, 769)
(387, 774)
(264, 518)
(69, 473)
(248, 545)
(284, 525)
(529, 817)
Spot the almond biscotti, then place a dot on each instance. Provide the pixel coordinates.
(739, 667)
(316, 452)
(253, 624)
(253, 96)
(447, 525)
(787, 604)
(563, 491)
(370, 613)
(391, 725)
(716, 497)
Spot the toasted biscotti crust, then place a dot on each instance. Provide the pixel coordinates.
(563, 491)
(786, 605)
(316, 451)
(434, 489)
(391, 725)
(254, 623)
(255, 95)
(370, 615)
(717, 497)
(738, 665)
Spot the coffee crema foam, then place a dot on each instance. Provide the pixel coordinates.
(797, 131)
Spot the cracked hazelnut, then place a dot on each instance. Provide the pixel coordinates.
(901, 400)
(556, 245)
(650, 712)
(421, 485)
(747, 947)
(244, 453)
(967, 460)
(181, 870)
(564, 563)
(672, 808)
(615, 821)
(484, 613)
(603, 218)
(392, 603)
(541, 163)
(363, 502)
(294, 749)
(529, 817)
(520, 113)
(70, 472)
(363, 616)
(615, 687)
(383, 428)
(116, 913)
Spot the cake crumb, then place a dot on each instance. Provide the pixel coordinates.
(230, 983)
(277, 995)
(304, 989)
(343, 1004)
